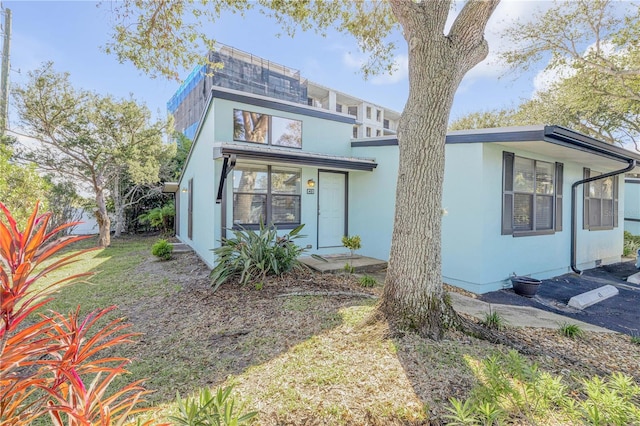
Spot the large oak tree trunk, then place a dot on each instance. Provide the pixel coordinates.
(413, 296)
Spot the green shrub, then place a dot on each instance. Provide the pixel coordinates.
(368, 281)
(631, 244)
(353, 243)
(160, 218)
(571, 331)
(494, 320)
(252, 256)
(511, 390)
(208, 409)
(162, 249)
(635, 340)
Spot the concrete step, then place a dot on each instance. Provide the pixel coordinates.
(336, 263)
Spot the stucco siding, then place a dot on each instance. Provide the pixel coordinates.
(489, 258)
(372, 198)
(632, 206)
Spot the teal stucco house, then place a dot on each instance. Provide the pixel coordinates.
(539, 201)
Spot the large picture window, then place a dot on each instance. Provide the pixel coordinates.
(266, 129)
(600, 202)
(266, 193)
(531, 196)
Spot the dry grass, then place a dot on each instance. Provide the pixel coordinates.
(307, 360)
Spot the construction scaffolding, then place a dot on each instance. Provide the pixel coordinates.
(240, 71)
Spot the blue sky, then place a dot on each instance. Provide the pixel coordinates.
(71, 35)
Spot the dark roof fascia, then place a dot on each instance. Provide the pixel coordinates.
(515, 136)
(376, 142)
(557, 135)
(563, 136)
(280, 106)
(300, 159)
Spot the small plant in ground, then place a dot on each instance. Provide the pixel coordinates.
(368, 281)
(162, 249)
(252, 256)
(353, 243)
(511, 390)
(571, 331)
(53, 365)
(635, 340)
(348, 268)
(631, 244)
(494, 320)
(209, 409)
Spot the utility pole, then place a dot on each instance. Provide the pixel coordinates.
(4, 79)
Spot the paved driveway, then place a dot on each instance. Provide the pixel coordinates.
(620, 313)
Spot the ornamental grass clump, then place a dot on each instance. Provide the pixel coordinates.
(54, 364)
(252, 256)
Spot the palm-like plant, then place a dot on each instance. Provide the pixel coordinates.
(46, 362)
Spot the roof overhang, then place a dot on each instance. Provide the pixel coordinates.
(560, 143)
(288, 156)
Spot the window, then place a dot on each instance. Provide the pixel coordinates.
(378, 115)
(369, 112)
(338, 108)
(378, 132)
(310, 101)
(266, 129)
(267, 193)
(385, 123)
(531, 196)
(368, 132)
(352, 110)
(355, 132)
(600, 202)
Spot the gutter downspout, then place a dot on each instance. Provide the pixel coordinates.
(574, 226)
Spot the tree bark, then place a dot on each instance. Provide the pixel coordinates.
(102, 217)
(413, 296)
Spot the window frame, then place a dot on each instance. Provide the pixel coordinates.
(269, 195)
(586, 203)
(509, 192)
(270, 134)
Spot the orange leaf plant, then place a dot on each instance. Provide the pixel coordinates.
(46, 363)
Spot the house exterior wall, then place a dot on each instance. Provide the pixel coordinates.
(632, 206)
(202, 169)
(372, 198)
(490, 258)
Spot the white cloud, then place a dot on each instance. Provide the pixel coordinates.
(400, 73)
(352, 61)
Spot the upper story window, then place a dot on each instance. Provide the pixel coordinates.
(338, 108)
(600, 202)
(310, 101)
(368, 132)
(531, 196)
(266, 129)
(355, 132)
(369, 112)
(385, 123)
(378, 132)
(352, 110)
(378, 115)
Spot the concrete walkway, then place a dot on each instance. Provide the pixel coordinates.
(517, 316)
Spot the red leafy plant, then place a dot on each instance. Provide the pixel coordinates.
(55, 364)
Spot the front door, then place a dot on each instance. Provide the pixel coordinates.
(332, 211)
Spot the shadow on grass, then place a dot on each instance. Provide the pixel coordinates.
(191, 337)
